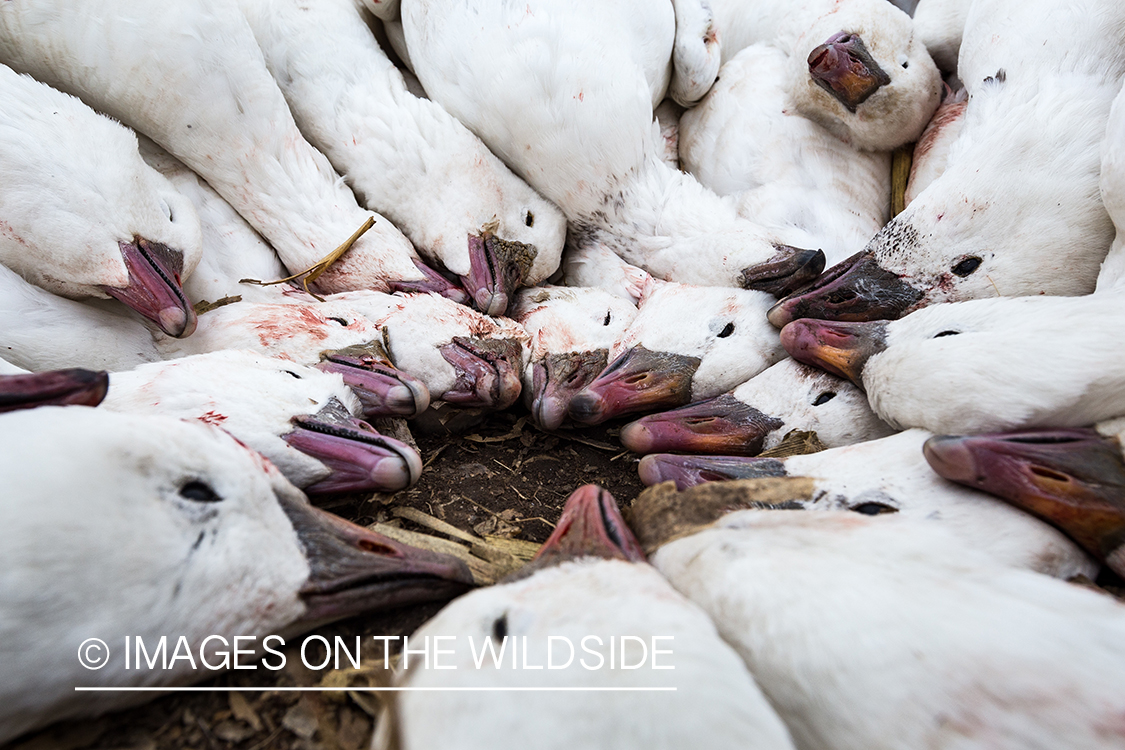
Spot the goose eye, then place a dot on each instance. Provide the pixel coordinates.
(608, 316)
(341, 321)
(290, 372)
(199, 492)
(728, 329)
(967, 266)
(905, 64)
(824, 398)
(500, 627)
(873, 508)
(946, 333)
(529, 219)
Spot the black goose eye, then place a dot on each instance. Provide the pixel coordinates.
(199, 492)
(290, 372)
(946, 333)
(873, 508)
(824, 398)
(608, 316)
(728, 329)
(967, 266)
(500, 627)
(905, 64)
(529, 219)
(341, 321)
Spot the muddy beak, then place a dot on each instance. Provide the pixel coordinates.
(638, 380)
(360, 459)
(433, 282)
(557, 379)
(854, 289)
(497, 268)
(839, 348)
(843, 67)
(1071, 478)
(154, 289)
(688, 471)
(590, 526)
(383, 389)
(353, 570)
(73, 387)
(722, 426)
(784, 273)
(487, 372)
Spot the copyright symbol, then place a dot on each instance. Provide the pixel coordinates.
(93, 653)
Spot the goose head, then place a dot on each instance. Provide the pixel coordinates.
(861, 73)
(195, 534)
(571, 331)
(686, 343)
(757, 414)
(307, 422)
(89, 218)
(1071, 478)
(973, 366)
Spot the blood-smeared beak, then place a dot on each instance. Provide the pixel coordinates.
(722, 426)
(590, 526)
(854, 289)
(154, 288)
(353, 570)
(786, 272)
(688, 471)
(839, 348)
(432, 282)
(557, 379)
(638, 380)
(843, 67)
(487, 372)
(358, 457)
(1071, 478)
(383, 389)
(497, 268)
(73, 387)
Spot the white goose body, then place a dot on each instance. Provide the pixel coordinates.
(404, 156)
(886, 116)
(550, 80)
(885, 632)
(940, 24)
(192, 78)
(83, 214)
(586, 596)
(1016, 211)
(785, 170)
(931, 152)
(890, 475)
(193, 534)
(1112, 273)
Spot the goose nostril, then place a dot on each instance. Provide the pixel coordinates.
(840, 296)
(1054, 476)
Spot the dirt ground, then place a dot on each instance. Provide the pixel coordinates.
(503, 477)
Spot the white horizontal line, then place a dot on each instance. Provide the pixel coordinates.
(365, 689)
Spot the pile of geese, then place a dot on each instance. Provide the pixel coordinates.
(235, 234)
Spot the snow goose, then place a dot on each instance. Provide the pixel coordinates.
(407, 157)
(20, 389)
(193, 534)
(305, 421)
(1072, 478)
(564, 93)
(979, 366)
(192, 78)
(686, 343)
(786, 171)
(855, 67)
(83, 215)
(889, 632)
(1016, 212)
(890, 475)
(589, 584)
(756, 415)
(939, 24)
(571, 330)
